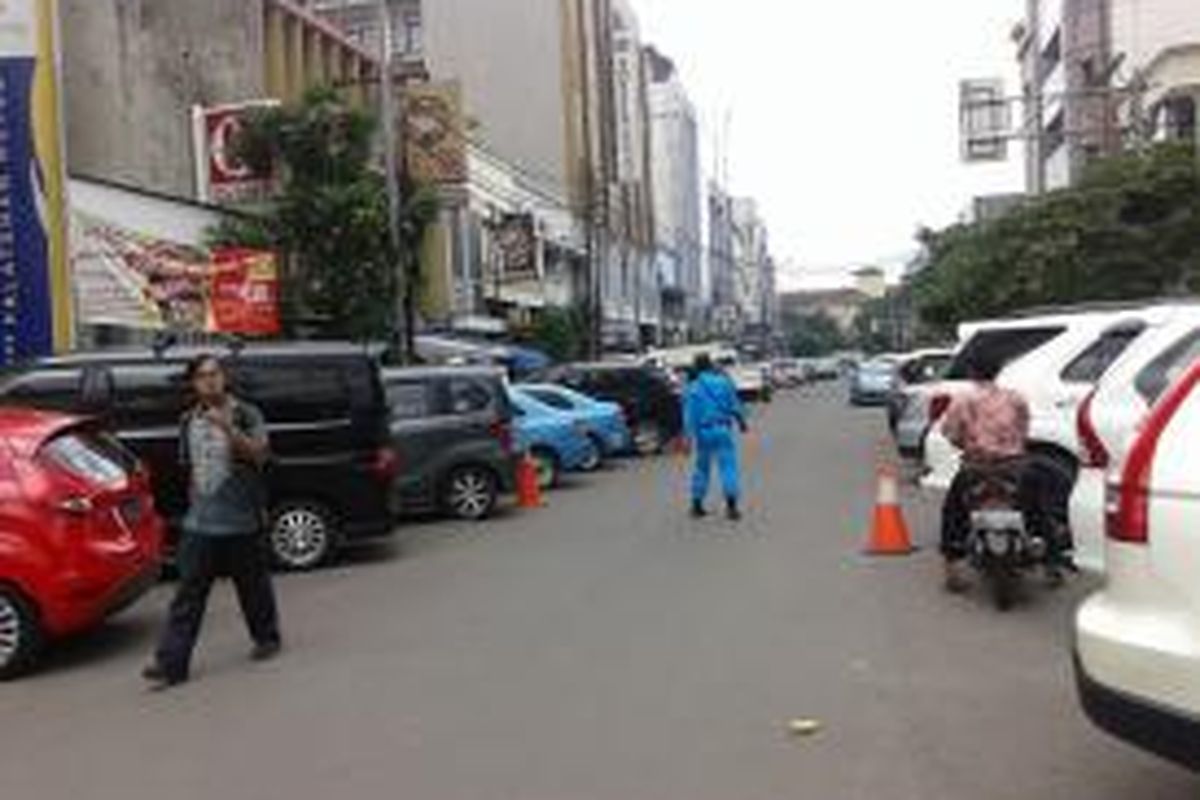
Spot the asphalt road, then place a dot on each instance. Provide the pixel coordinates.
(605, 647)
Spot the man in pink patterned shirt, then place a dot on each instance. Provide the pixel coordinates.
(990, 425)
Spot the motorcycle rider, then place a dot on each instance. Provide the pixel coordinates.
(990, 425)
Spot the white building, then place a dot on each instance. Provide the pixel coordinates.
(675, 165)
(1158, 42)
(753, 281)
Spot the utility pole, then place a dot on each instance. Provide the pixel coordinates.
(391, 145)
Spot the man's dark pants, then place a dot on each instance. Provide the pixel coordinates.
(1032, 498)
(201, 560)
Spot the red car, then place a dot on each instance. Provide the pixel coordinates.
(79, 536)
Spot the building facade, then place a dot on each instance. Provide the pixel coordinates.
(1158, 42)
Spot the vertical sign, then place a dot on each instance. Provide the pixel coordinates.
(35, 306)
(221, 177)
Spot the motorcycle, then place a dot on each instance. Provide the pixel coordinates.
(1001, 545)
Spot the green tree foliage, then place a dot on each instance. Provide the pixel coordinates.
(331, 219)
(814, 334)
(1130, 229)
(560, 333)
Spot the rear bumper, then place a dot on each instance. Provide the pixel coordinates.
(1087, 519)
(77, 608)
(1165, 732)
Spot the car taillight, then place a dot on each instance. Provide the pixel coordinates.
(501, 431)
(939, 404)
(1127, 511)
(1094, 453)
(386, 464)
(77, 506)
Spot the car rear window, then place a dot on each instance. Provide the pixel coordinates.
(552, 399)
(996, 348)
(468, 396)
(1093, 362)
(1160, 373)
(55, 390)
(295, 392)
(411, 400)
(99, 461)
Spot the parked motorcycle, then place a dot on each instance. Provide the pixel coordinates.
(1001, 544)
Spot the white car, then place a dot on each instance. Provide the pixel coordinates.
(1052, 361)
(1107, 420)
(1138, 639)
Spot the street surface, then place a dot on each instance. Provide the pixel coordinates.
(606, 647)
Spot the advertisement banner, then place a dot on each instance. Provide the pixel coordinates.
(35, 305)
(435, 131)
(126, 279)
(516, 239)
(221, 177)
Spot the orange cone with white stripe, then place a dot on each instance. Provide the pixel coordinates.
(529, 493)
(889, 531)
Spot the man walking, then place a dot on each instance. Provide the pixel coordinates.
(224, 447)
(710, 410)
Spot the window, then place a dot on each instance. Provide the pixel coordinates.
(408, 401)
(1094, 361)
(55, 390)
(86, 459)
(993, 350)
(468, 397)
(1161, 372)
(1051, 54)
(552, 399)
(1056, 134)
(410, 34)
(150, 394)
(295, 392)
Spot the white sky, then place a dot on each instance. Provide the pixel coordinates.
(843, 114)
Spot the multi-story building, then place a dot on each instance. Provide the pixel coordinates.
(723, 316)
(753, 272)
(1158, 42)
(675, 164)
(1065, 51)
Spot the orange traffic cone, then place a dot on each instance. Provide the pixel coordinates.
(529, 493)
(889, 532)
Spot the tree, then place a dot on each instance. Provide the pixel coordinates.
(1130, 229)
(330, 220)
(813, 334)
(561, 333)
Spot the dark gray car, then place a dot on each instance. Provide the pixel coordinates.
(451, 428)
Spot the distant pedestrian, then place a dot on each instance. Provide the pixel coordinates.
(223, 445)
(711, 409)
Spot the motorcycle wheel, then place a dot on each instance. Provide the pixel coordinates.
(1004, 587)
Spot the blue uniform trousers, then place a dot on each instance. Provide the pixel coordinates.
(716, 442)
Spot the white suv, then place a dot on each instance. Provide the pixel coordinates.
(1138, 639)
(1108, 418)
(1053, 361)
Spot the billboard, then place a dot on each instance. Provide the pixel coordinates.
(435, 132)
(985, 120)
(35, 304)
(221, 177)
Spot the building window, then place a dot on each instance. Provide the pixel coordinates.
(1177, 118)
(1051, 54)
(410, 34)
(1055, 135)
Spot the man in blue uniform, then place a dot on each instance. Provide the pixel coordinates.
(710, 410)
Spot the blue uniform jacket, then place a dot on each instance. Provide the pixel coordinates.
(710, 402)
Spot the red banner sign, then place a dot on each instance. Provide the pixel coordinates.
(244, 293)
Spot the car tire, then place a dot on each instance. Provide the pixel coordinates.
(595, 459)
(648, 439)
(549, 469)
(303, 535)
(20, 634)
(470, 493)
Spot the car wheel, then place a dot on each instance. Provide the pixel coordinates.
(595, 456)
(548, 469)
(470, 493)
(20, 637)
(648, 439)
(302, 535)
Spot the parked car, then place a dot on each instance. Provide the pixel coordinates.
(650, 400)
(1053, 361)
(605, 420)
(871, 383)
(330, 477)
(79, 536)
(1108, 418)
(791, 373)
(827, 369)
(916, 369)
(1138, 638)
(451, 428)
(557, 441)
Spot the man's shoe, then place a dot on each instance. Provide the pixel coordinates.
(159, 679)
(698, 511)
(732, 511)
(955, 581)
(265, 651)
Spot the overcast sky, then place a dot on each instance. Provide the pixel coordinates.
(844, 114)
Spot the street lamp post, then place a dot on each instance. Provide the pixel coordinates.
(390, 154)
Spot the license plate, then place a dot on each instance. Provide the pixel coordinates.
(998, 519)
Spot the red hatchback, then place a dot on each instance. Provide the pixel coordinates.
(79, 536)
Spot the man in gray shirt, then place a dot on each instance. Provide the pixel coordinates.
(224, 446)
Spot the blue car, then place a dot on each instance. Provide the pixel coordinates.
(557, 441)
(605, 421)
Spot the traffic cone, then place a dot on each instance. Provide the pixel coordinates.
(529, 493)
(889, 532)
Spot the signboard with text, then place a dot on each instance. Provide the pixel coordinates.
(221, 177)
(35, 306)
(244, 293)
(435, 132)
(985, 120)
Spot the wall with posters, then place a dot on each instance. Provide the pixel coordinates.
(35, 308)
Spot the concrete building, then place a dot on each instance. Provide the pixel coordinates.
(675, 164)
(1158, 42)
(723, 316)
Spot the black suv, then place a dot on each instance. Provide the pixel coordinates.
(331, 470)
(452, 431)
(647, 395)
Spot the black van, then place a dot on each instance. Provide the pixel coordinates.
(332, 468)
